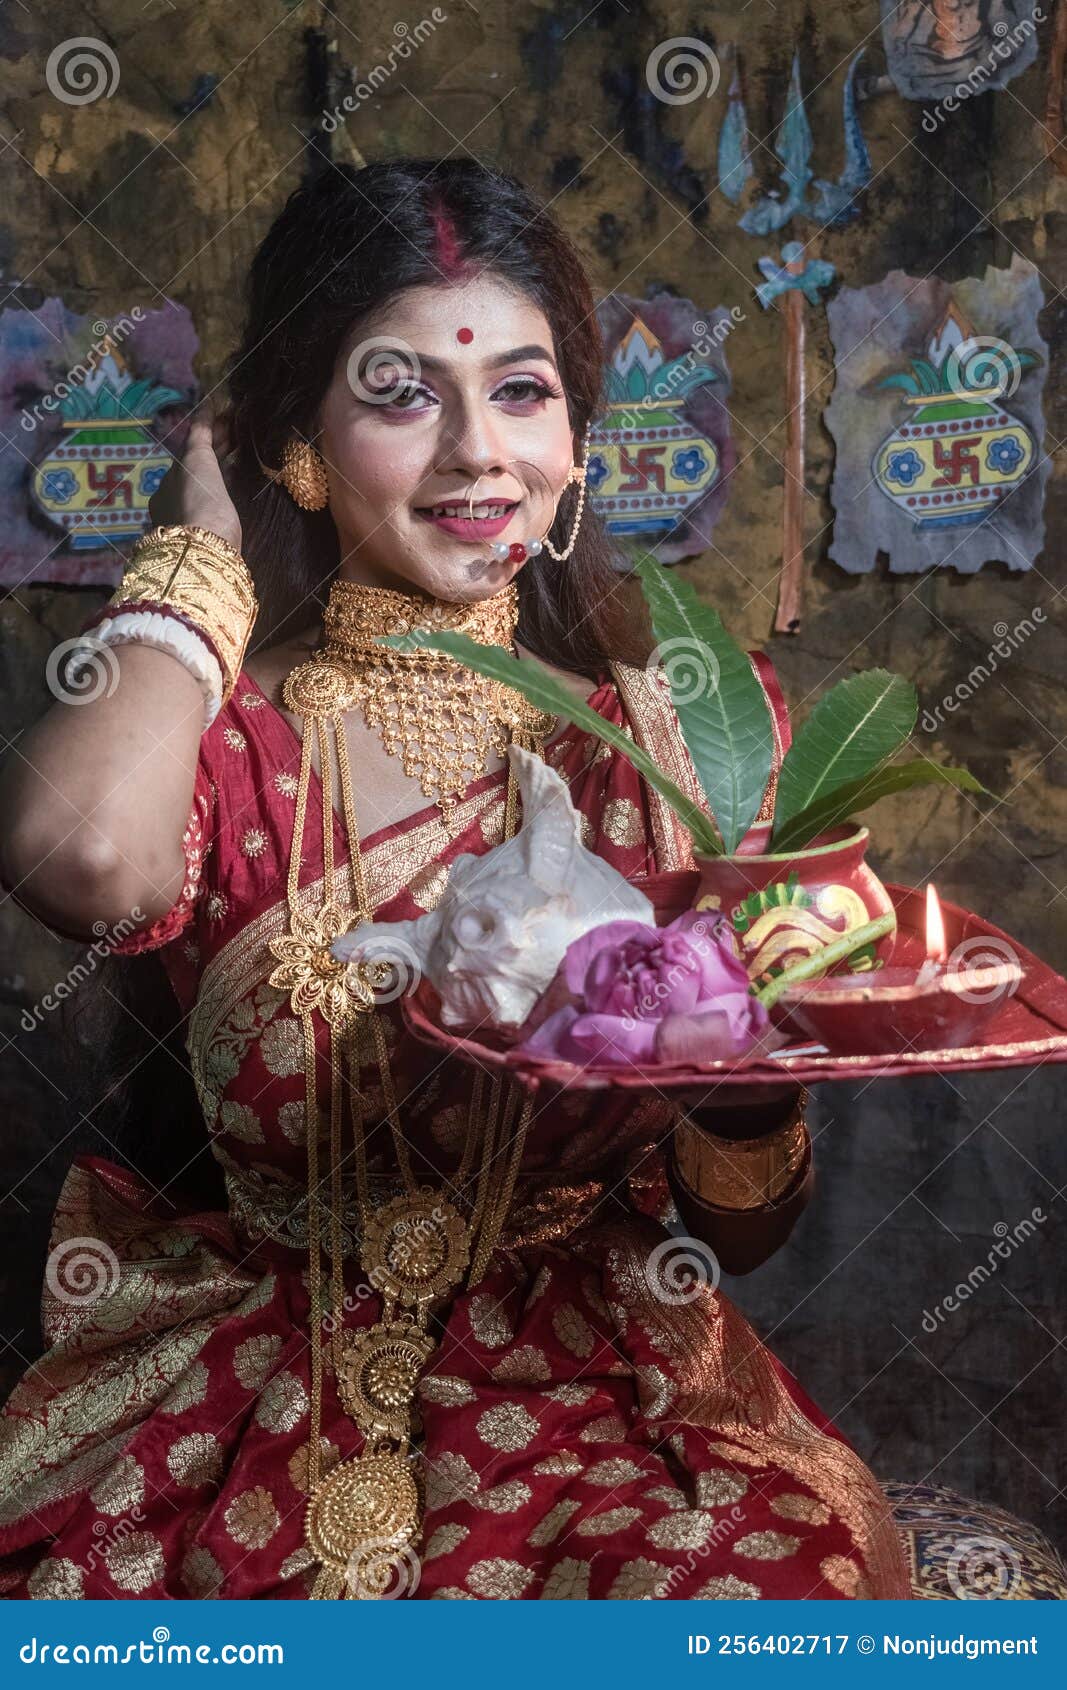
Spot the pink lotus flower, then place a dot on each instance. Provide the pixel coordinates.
(631, 993)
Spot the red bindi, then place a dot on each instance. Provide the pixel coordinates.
(465, 335)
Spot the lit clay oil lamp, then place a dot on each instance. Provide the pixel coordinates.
(942, 1005)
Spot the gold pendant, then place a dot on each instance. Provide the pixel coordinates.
(319, 687)
(378, 1376)
(361, 1517)
(312, 975)
(415, 1248)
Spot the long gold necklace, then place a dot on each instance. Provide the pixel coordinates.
(417, 1246)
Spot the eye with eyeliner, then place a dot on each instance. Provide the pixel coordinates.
(536, 390)
(541, 389)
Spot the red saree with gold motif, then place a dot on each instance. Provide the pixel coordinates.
(581, 1438)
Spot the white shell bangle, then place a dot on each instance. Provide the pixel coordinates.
(165, 633)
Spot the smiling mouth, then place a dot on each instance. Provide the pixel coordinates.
(487, 511)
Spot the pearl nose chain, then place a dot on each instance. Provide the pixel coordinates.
(517, 551)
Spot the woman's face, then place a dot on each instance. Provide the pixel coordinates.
(445, 393)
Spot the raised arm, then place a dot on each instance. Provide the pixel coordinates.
(96, 796)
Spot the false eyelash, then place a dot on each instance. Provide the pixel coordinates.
(542, 388)
(402, 390)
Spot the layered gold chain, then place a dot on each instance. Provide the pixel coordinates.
(418, 1246)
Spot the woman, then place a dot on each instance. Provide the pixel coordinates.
(540, 1414)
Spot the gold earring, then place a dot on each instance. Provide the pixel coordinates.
(303, 475)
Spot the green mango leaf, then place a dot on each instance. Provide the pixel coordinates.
(845, 801)
(720, 703)
(855, 727)
(540, 687)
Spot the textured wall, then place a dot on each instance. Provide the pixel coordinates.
(165, 187)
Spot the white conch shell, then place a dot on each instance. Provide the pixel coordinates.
(496, 938)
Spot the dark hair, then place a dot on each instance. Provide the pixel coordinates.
(344, 245)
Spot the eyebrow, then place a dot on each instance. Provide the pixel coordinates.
(515, 356)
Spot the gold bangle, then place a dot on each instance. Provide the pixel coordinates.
(205, 537)
(741, 1173)
(203, 578)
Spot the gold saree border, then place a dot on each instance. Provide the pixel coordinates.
(765, 813)
(264, 1209)
(655, 725)
(747, 1404)
(244, 961)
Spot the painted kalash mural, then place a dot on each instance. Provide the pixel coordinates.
(648, 463)
(96, 482)
(961, 451)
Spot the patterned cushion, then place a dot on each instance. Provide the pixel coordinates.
(961, 1550)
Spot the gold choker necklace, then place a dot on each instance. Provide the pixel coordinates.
(442, 719)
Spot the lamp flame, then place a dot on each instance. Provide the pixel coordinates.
(936, 947)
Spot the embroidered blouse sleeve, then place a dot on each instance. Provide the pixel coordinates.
(196, 842)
